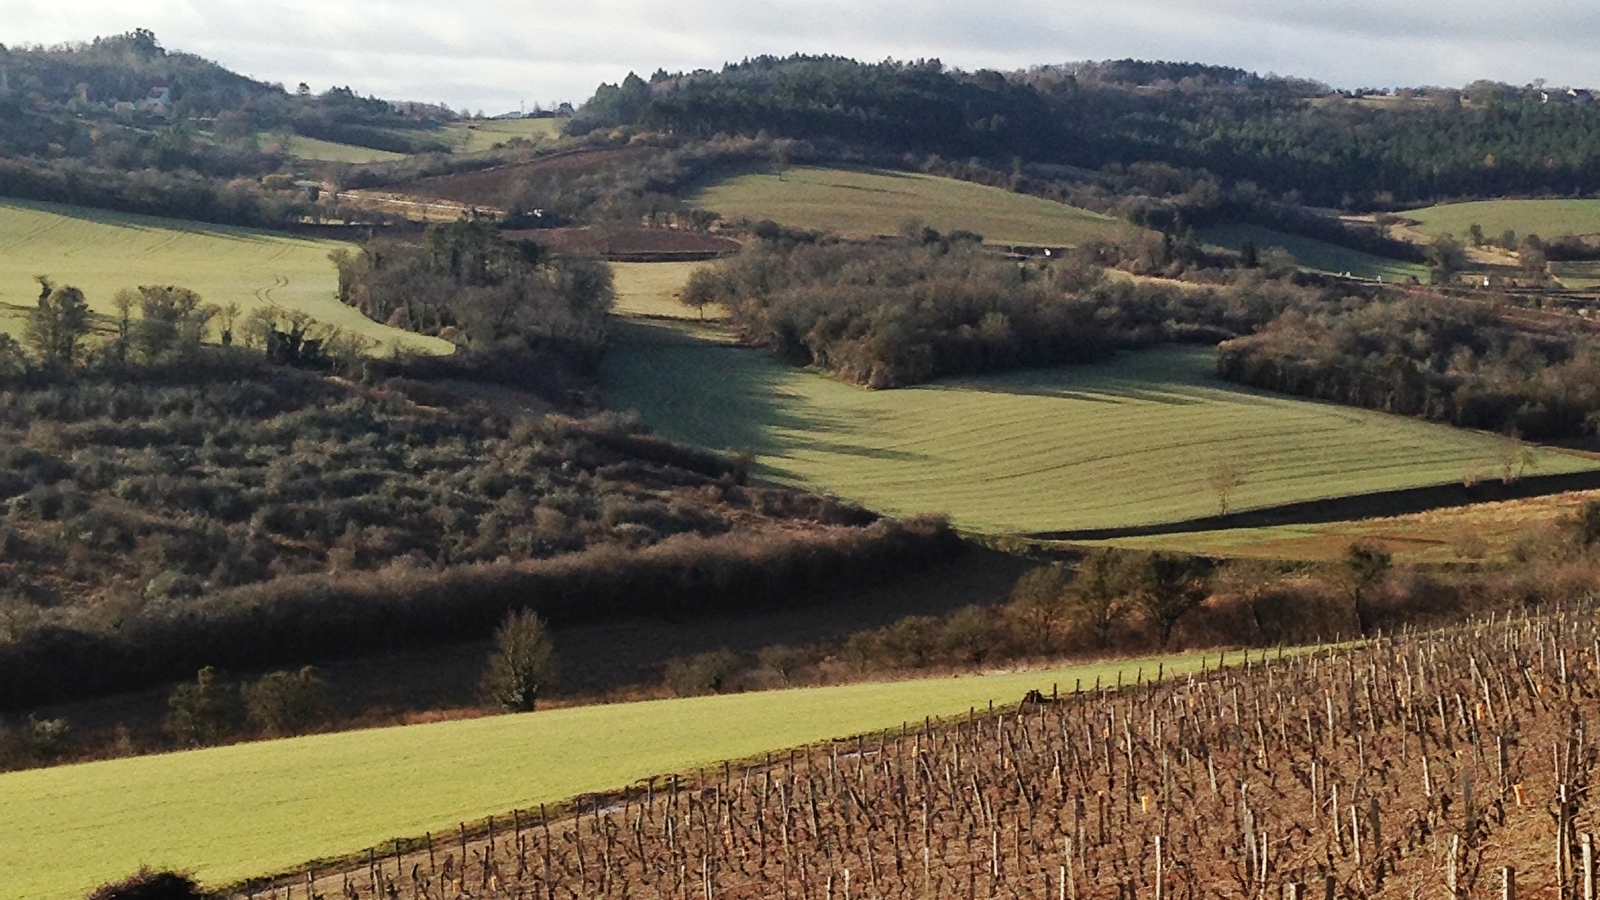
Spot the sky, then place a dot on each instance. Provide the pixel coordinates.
(496, 55)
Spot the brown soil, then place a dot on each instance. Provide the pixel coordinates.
(491, 186)
(669, 243)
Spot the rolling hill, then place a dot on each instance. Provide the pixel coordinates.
(1132, 442)
(866, 202)
(1314, 254)
(103, 252)
(1546, 218)
(232, 812)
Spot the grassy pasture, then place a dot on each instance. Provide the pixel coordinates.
(651, 290)
(477, 136)
(864, 203)
(233, 812)
(317, 150)
(102, 252)
(1131, 442)
(1314, 254)
(1484, 531)
(1546, 218)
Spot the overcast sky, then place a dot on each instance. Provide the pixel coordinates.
(495, 54)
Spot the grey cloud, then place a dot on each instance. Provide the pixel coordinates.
(495, 53)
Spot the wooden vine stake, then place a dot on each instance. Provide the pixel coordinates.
(1588, 867)
(1159, 872)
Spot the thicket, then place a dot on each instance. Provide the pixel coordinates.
(891, 314)
(467, 283)
(1447, 360)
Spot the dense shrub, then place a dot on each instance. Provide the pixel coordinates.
(898, 313)
(466, 281)
(303, 618)
(286, 703)
(523, 663)
(150, 885)
(711, 672)
(1464, 363)
(205, 711)
(140, 506)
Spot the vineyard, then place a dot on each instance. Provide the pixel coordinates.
(1442, 764)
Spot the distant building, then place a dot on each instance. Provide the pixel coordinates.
(158, 101)
(1569, 95)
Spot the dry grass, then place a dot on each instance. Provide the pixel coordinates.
(651, 290)
(1482, 532)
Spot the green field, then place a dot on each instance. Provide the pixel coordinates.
(864, 203)
(1127, 443)
(1546, 218)
(328, 151)
(234, 812)
(1314, 254)
(102, 252)
(480, 135)
(651, 290)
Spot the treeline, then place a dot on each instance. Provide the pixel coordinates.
(898, 313)
(292, 620)
(1434, 357)
(467, 283)
(180, 195)
(1128, 602)
(903, 105)
(1289, 137)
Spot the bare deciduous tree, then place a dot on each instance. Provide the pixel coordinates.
(1225, 477)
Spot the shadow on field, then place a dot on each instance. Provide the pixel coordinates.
(724, 397)
(618, 655)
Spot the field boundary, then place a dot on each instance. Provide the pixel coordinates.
(1379, 504)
